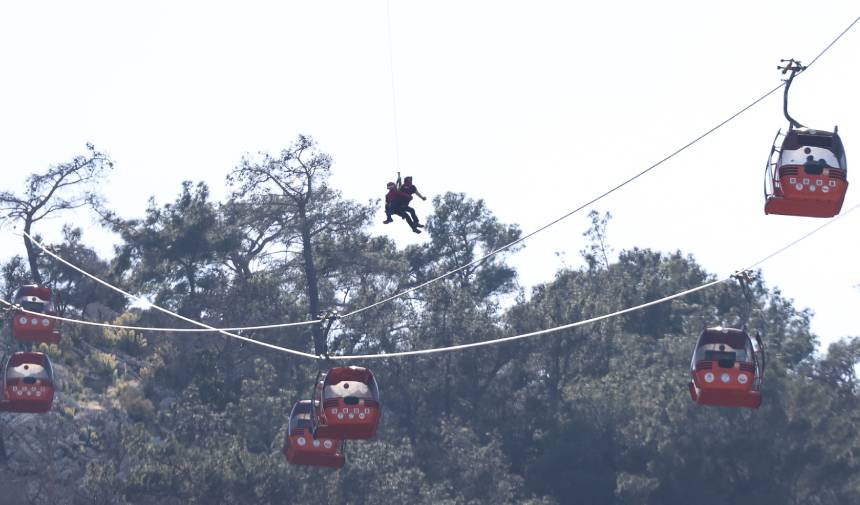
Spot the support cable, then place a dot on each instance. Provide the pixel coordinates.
(833, 42)
(440, 349)
(151, 328)
(226, 331)
(574, 211)
(161, 309)
(602, 195)
(598, 318)
(521, 239)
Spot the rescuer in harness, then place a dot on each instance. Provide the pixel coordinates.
(397, 203)
(408, 187)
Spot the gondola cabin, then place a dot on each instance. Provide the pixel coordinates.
(29, 327)
(28, 383)
(301, 448)
(349, 403)
(727, 369)
(807, 176)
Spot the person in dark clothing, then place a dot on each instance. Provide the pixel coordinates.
(397, 203)
(813, 167)
(407, 187)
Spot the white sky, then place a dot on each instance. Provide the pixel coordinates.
(534, 106)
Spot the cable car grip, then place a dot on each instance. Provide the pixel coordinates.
(795, 67)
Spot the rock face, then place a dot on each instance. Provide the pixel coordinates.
(46, 454)
(44, 457)
(96, 311)
(15, 490)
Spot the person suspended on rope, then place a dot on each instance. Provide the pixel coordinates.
(397, 203)
(408, 187)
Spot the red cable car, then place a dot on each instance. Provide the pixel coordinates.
(302, 448)
(348, 405)
(28, 383)
(32, 328)
(809, 177)
(727, 369)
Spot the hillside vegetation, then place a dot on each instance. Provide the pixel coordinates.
(599, 414)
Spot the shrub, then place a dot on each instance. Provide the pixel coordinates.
(102, 363)
(137, 406)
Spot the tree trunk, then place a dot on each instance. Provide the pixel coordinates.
(554, 376)
(32, 255)
(320, 344)
(3, 456)
(446, 408)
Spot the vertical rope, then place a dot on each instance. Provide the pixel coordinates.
(393, 88)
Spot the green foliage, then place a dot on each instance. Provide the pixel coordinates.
(598, 414)
(132, 400)
(14, 274)
(102, 364)
(101, 484)
(64, 186)
(52, 350)
(130, 342)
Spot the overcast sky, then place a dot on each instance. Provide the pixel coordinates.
(535, 107)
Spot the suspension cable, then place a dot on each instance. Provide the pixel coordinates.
(574, 211)
(113, 326)
(449, 348)
(502, 248)
(532, 334)
(207, 328)
(166, 311)
(833, 42)
(598, 318)
(602, 195)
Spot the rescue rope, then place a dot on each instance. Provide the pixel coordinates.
(393, 89)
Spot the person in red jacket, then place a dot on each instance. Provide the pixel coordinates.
(397, 203)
